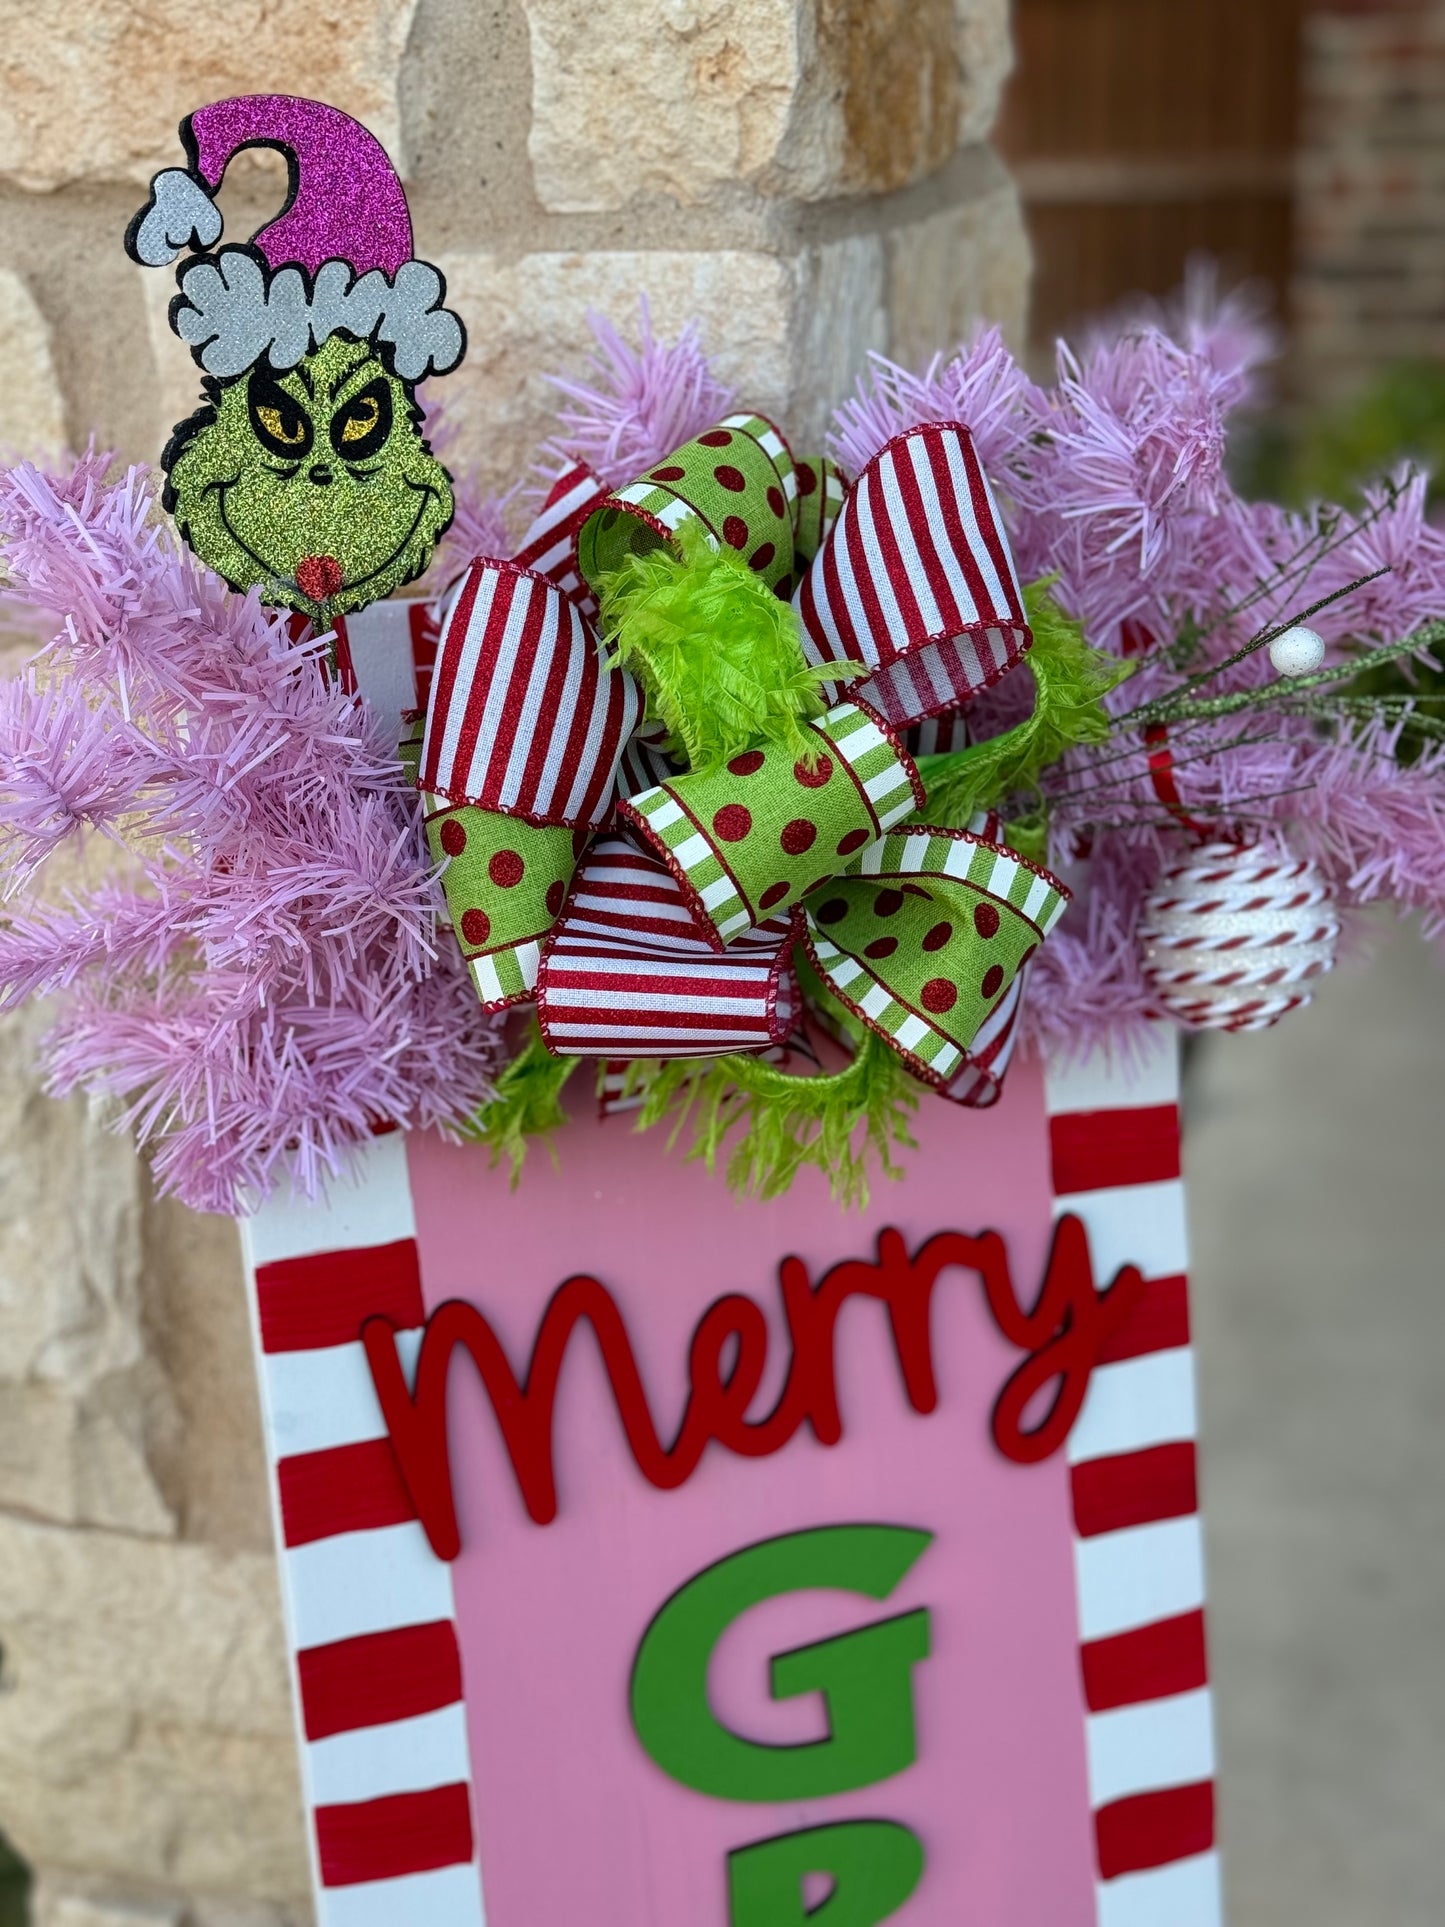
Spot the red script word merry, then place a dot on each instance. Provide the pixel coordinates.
(1062, 1336)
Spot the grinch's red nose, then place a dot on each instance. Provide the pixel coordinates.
(318, 577)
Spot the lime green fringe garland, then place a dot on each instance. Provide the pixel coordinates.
(1071, 681)
(527, 1105)
(835, 1123)
(719, 655)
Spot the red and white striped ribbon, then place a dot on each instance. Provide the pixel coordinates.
(550, 544)
(644, 762)
(385, 1758)
(1138, 1548)
(627, 973)
(938, 735)
(915, 587)
(525, 715)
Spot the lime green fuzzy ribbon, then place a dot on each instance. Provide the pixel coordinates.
(780, 1124)
(719, 655)
(1071, 681)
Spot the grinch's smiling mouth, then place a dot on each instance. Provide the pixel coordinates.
(350, 584)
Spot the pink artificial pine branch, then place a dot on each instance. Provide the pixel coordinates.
(272, 989)
(634, 406)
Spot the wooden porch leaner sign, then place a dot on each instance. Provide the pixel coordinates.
(660, 1561)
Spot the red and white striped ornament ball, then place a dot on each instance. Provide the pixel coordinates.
(1233, 937)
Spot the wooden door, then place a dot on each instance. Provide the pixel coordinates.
(1145, 131)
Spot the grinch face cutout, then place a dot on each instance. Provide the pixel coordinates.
(305, 475)
(313, 485)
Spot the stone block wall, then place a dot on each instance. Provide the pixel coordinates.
(1369, 284)
(810, 177)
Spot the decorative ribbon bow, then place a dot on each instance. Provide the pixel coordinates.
(652, 911)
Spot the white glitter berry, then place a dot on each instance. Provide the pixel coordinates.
(1298, 652)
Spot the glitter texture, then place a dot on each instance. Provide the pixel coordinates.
(314, 486)
(1233, 938)
(348, 205)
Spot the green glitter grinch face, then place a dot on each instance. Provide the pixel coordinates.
(313, 485)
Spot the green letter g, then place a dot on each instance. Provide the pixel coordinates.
(865, 1676)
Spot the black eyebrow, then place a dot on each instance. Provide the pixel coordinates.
(357, 368)
(301, 375)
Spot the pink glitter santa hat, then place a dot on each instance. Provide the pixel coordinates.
(338, 256)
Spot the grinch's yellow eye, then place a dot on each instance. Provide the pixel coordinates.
(282, 425)
(292, 433)
(361, 418)
(359, 428)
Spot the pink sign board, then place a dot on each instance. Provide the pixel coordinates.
(730, 1611)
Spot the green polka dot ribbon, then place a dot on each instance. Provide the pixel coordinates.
(924, 942)
(739, 481)
(819, 497)
(657, 910)
(750, 840)
(505, 882)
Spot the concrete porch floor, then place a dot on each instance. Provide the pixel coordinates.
(1317, 1189)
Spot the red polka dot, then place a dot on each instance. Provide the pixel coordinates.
(985, 920)
(815, 778)
(939, 995)
(453, 837)
(735, 532)
(938, 936)
(776, 502)
(761, 556)
(833, 911)
(556, 897)
(816, 884)
(732, 822)
(887, 903)
(854, 840)
(716, 438)
(506, 869)
(731, 478)
(915, 890)
(774, 893)
(807, 478)
(476, 926)
(881, 947)
(799, 835)
(748, 764)
(783, 588)
(992, 980)
(670, 474)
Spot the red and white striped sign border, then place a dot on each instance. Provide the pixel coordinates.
(385, 1763)
(1138, 1546)
(369, 1611)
